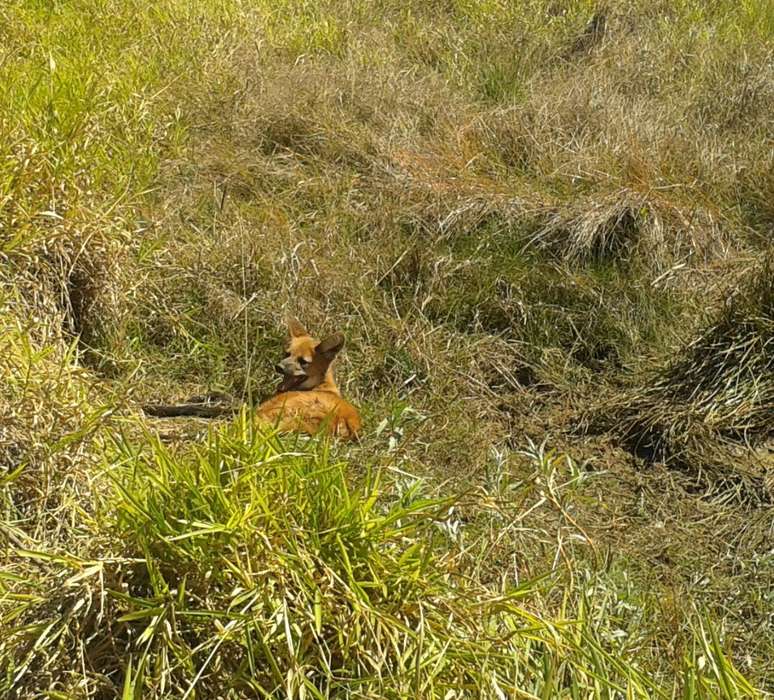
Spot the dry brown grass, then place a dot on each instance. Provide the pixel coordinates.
(523, 226)
(710, 406)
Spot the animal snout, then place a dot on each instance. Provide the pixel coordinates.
(290, 368)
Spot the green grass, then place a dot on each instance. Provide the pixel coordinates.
(248, 566)
(531, 232)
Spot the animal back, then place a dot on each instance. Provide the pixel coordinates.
(309, 412)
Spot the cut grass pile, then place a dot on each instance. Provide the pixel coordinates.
(716, 396)
(545, 220)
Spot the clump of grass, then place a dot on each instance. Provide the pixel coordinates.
(710, 407)
(626, 224)
(82, 138)
(271, 574)
(247, 566)
(49, 418)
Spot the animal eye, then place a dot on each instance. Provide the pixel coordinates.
(287, 354)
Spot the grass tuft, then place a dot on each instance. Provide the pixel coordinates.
(252, 567)
(711, 405)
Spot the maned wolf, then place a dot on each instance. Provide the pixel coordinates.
(307, 399)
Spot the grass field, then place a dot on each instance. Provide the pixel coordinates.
(547, 231)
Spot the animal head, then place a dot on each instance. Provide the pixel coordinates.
(307, 360)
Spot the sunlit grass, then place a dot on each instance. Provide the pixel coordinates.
(539, 219)
(247, 565)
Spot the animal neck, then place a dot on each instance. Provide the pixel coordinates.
(329, 383)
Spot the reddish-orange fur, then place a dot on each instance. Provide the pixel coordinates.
(312, 402)
(309, 412)
(307, 400)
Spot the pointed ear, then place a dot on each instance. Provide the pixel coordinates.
(295, 328)
(330, 346)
